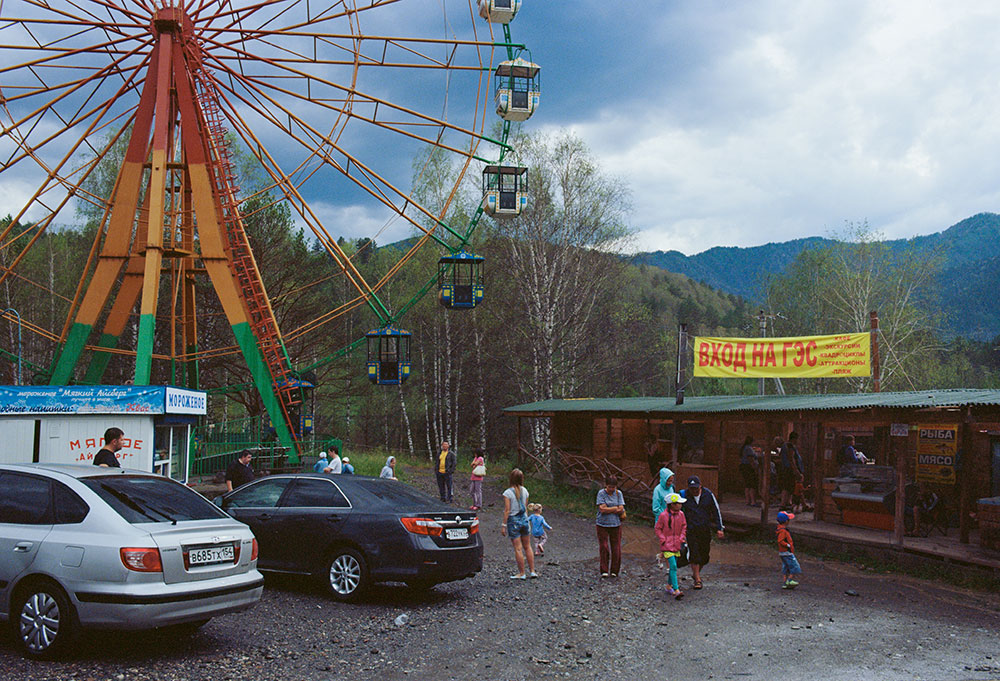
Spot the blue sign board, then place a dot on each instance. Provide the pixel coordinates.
(99, 399)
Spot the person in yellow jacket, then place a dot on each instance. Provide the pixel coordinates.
(444, 471)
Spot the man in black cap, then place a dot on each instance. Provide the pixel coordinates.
(703, 515)
(239, 472)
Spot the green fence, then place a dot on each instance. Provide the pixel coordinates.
(217, 445)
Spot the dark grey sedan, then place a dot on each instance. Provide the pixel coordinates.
(352, 530)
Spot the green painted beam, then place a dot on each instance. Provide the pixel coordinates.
(76, 340)
(144, 349)
(99, 362)
(262, 380)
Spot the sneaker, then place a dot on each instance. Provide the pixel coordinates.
(785, 586)
(604, 575)
(792, 583)
(518, 576)
(614, 574)
(678, 594)
(533, 575)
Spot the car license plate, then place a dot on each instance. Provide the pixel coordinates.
(215, 554)
(460, 533)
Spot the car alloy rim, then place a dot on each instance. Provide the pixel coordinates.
(345, 574)
(39, 622)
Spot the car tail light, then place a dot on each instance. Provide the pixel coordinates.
(142, 559)
(253, 551)
(474, 527)
(426, 526)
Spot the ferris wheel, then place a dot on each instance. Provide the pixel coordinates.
(324, 95)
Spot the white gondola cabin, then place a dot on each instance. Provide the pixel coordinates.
(505, 190)
(460, 280)
(499, 11)
(388, 355)
(517, 88)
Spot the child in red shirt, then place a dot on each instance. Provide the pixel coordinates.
(786, 551)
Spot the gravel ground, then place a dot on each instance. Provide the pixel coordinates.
(571, 624)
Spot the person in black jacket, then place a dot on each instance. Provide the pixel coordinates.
(703, 516)
(239, 471)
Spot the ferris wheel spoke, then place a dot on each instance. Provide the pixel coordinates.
(355, 95)
(74, 17)
(396, 126)
(272, 167)
(30, 149)
(54, 177)
(373, 183)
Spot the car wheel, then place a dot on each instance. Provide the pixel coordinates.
(43, 621)
(346, 575)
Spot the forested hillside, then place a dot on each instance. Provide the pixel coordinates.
(565, 313)
(964, 289)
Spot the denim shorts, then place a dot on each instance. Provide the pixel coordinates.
(790, 565)
(517, 526)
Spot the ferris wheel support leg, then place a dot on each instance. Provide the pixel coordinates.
(157, 189)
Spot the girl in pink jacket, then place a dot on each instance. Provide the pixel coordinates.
(671, 530)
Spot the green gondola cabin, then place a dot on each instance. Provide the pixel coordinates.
(460, 280)
(505, 190)
(518, 90)
(388, 355)
(499, 11)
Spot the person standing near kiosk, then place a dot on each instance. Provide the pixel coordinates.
(105, 456)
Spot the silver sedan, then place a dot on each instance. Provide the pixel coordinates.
(84, 546)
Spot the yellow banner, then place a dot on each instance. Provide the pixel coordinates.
(836, 356)
(937, 449)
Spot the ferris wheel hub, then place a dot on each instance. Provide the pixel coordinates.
(171, 20)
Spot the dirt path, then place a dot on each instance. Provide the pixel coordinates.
(571, 624)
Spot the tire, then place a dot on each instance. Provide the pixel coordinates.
(346, 574)
(42, 621)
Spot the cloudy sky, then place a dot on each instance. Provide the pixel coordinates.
(731, 123)
(745, 123)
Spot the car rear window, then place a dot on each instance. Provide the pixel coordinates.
(398, 495)
(148, 499)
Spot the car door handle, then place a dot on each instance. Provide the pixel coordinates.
(23, 547)
(264, 516)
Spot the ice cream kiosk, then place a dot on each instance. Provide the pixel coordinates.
(66, 424)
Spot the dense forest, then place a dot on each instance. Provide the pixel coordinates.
(566, 314)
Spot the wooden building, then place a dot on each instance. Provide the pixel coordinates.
(704, 436)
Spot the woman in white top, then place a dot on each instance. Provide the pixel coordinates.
(515, 524)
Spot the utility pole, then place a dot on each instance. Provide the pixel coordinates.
(19, 347)
(681, 343)
(762, 318)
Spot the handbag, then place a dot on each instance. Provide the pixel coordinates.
(479, 471)
(684, 556)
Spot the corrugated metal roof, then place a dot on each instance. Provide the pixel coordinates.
(743, 403)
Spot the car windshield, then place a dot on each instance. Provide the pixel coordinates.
(141, 499)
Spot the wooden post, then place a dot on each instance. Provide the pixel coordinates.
(818, 466)
(674, 445)
(876, 371)
(765, 497)
(966, 455)
(900, 510)
(519, 441)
